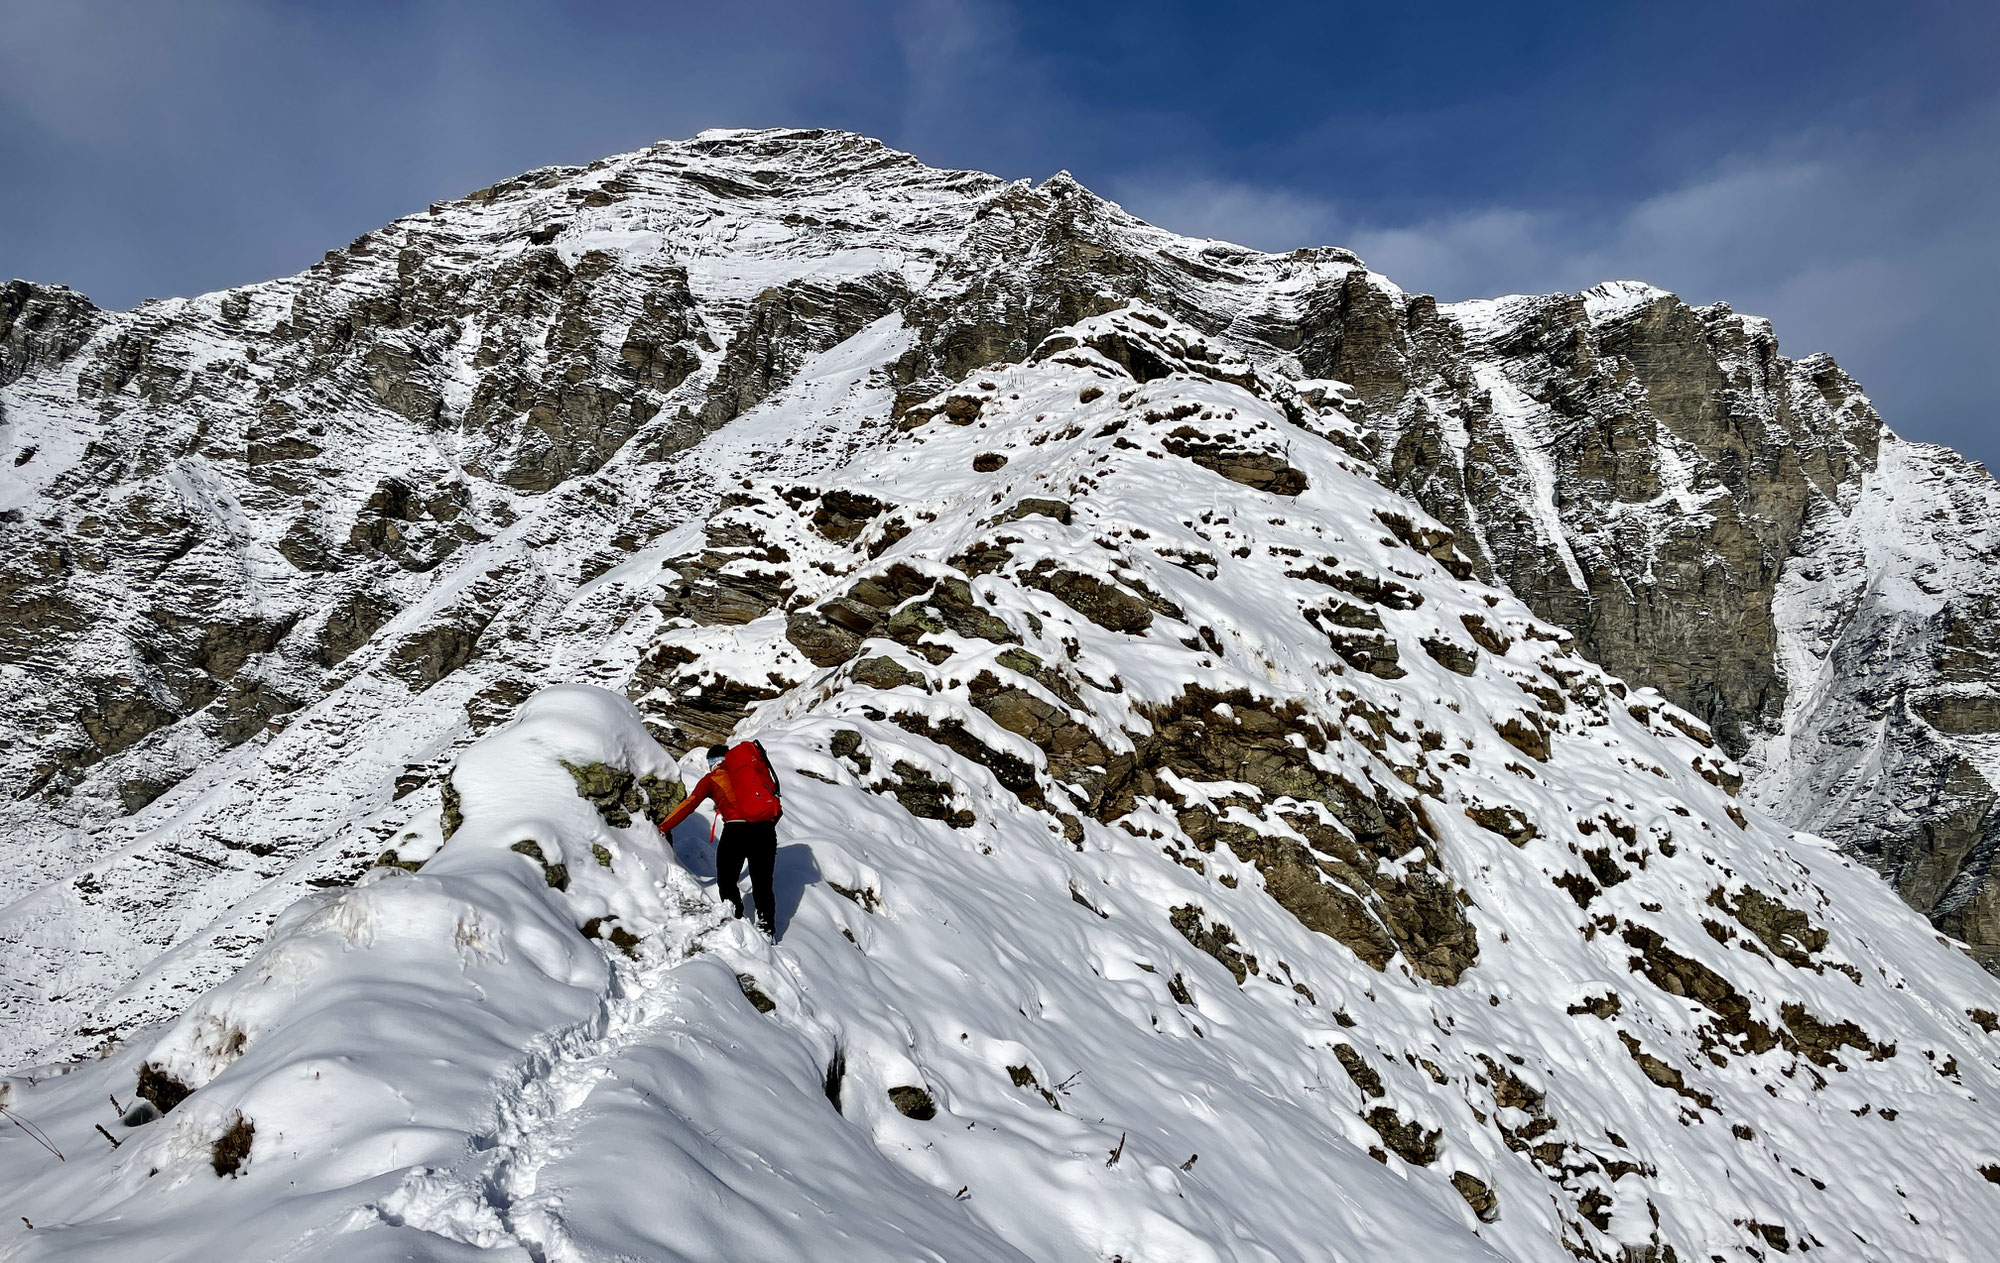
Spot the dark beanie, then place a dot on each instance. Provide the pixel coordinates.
(717, 751)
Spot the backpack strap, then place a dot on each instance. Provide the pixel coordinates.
(770, 768)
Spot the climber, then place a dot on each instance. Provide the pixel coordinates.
(744, 787)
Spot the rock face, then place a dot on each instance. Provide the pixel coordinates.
(1740, 531)
(1888, 616)
(239, 532)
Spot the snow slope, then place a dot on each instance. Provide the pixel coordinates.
(1092, 687)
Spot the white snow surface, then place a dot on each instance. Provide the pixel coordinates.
(1614, 300)
(439, 1065)
(1529, 424)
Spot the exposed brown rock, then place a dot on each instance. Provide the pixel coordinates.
(1788, 933)
(1478, 1195)
(1684, 976)
(1033, 506)
(1358, 1069)
(618, 794)
(1333, 883)
(1106, 604)
(1663, 1074)
(843, 515)
(1526, 734)
(1451, 655)
(1508, 822)
(1216, 939)
(1404, 1137)
(924, 796)
(1261, 470)
(913, 1102)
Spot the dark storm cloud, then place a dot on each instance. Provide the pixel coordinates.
(1831, 165)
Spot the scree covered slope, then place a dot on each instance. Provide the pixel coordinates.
(1186, 857)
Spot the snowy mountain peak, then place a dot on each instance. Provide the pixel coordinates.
(1612, 300)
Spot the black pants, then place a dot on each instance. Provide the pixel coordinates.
(754, 843)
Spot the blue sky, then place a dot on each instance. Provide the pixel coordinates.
(1835, 166)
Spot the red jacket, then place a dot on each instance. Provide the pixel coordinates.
(714, 786)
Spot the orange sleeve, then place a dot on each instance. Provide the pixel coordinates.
(703, 788)
(722, 792)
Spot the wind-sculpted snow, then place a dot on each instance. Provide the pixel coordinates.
(1182, 859)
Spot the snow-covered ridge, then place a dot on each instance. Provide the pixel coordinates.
(1047, 987)
(243, 525)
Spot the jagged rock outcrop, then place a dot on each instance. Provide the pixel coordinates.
(1740, 531)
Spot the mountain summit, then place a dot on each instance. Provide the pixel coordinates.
(1261, 749)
